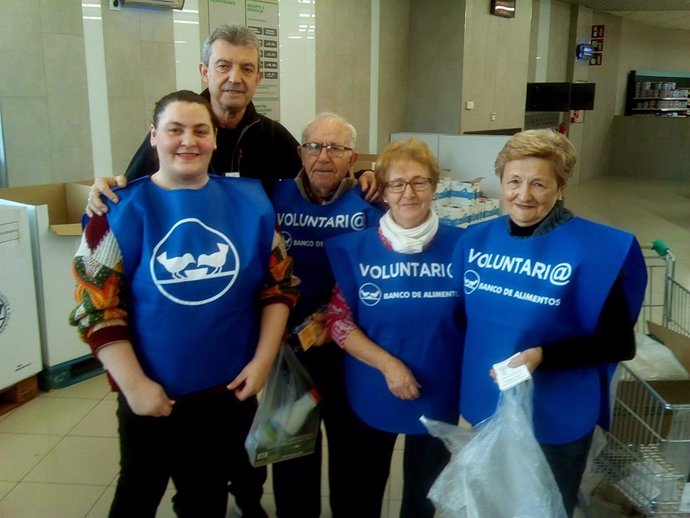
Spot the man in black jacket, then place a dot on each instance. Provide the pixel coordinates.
(248, 143)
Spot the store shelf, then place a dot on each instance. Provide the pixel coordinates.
(662, 94)
(659, 109)
(660, 98)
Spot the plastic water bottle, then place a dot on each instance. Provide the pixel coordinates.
(287, 419)
(300, 410)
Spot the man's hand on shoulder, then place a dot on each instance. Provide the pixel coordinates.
(367, 182)
(103, 186)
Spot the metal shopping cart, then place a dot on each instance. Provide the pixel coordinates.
(647, 452)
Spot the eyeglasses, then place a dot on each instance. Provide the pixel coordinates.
(418, 184)
(333, 150)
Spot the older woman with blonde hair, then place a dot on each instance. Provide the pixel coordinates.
(393, 312)
(561, 291)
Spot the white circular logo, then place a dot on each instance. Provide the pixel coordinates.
(370, 294)
(471, 281)
(194, 264)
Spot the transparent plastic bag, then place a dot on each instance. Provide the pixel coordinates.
(497, 469)
(287, 420)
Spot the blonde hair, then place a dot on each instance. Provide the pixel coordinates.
(545, 144)
(413, 150)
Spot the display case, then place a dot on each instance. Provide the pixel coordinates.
(654, 93)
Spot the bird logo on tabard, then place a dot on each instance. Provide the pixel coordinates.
(194, 264)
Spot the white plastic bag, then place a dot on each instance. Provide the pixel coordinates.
(287, 420)
(498, 469)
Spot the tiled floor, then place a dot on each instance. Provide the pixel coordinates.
(59, 457)
(59, 452)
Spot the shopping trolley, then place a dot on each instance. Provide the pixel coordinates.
(647, 452)
(666, 302)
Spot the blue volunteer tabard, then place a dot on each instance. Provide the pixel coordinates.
(195, 261)
(405, 303)
(522, 293)
(305, 225)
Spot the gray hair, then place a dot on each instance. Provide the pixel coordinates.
(336, 118)
(233, 34)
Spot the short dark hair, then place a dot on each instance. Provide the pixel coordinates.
(186, 96)
(234, 35)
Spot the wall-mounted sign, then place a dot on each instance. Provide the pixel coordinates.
(262, 18)
(505, 8)
(597, 43)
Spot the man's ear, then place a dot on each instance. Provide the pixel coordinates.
(203, 70)
(353, 158)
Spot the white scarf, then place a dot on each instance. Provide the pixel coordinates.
(408, 240)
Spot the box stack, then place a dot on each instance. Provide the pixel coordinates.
(461, 203)
(20, 343)
(54, 221)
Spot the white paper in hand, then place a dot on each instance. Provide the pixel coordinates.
(507, 377)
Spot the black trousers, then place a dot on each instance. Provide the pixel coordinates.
(194, 446)
(424, 457)
(297, 482)
(568, 462)
(359, 457)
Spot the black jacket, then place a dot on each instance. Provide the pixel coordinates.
(258, 147)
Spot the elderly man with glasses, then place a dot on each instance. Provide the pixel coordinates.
(323, 201)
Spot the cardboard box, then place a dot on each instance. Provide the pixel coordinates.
(20, 341)
(54, 213)
(608, 502)
(679, 344)
(365, 162)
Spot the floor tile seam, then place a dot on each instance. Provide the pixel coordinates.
(83, 435)
(105, 489)
(10, 432)
(82, 417)
(67, 398)
(15, 484)
(47, 482)
(42, 458)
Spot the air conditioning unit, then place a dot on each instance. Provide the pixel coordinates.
(163, 4)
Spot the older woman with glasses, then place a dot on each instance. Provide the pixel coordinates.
(393, 312)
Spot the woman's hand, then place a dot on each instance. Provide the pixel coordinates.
(324, 336)
(251, 379)
(144, 395)
(147, 398)
(103, 185)
(400, 380)
(531, 357)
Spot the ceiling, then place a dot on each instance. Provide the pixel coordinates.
(669, 14)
